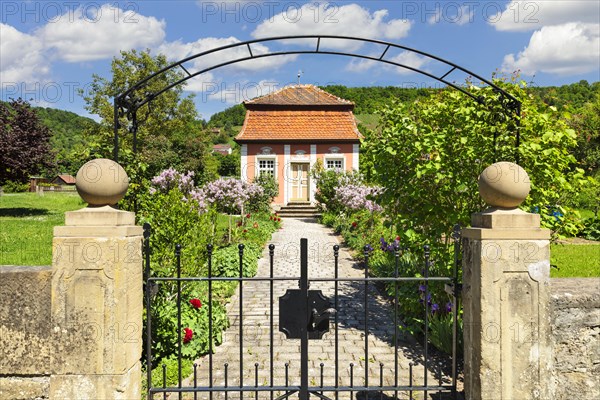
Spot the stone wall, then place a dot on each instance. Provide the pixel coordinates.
(575, 313)
(26, 335)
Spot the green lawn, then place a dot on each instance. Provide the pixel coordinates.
(575, 260)
(26, 222)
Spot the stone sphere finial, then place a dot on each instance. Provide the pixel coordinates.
(101, 182)
(504, 184)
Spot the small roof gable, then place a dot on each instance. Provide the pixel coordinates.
(300, 95)
(68, 179)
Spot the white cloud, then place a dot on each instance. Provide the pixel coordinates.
(21, 57)
(87, 37)
(532, 15)
(331, 19)
(406, 57)
(567, 49)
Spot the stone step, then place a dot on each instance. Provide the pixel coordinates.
(299, 215)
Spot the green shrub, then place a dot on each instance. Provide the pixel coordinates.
(270, 188)
(172, 371)
(591, 230)
(15, 187)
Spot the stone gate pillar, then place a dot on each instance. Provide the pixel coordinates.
(506, 272)
(97, 292)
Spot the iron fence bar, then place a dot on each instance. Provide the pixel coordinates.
(271, 299)
(164, 371)
(240, 320)
(196, 380)
(396, 262)
(366, 324)
(209, 249)
(311, 389)
(410, 380)
(226, 365)
(336, 253)
(426, 319)
(303, 394)
(179, 344)
(318, 44)
(266, 279)
(250, 50)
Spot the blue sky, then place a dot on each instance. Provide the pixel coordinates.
(50, 49)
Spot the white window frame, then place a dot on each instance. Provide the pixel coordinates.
(335, 157)
(260, 158)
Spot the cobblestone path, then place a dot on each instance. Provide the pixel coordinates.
(256, 326)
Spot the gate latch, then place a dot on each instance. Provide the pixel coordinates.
(291, 309)
(318, 318)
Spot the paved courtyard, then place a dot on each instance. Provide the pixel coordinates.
(256, 325)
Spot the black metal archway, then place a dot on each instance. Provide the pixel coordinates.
(128, 103)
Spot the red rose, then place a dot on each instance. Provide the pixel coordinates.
(188, 335)
(247, 215)
(271, 218)
(239, 223)
(354, 224)
(278, 219)
(196, 303)
(398, 238)
(245, 230)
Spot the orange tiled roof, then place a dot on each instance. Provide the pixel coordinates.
(300, 95)
(299, 125)
(68, 179)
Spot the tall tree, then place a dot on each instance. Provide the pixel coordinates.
(25, 142)
(169, 119)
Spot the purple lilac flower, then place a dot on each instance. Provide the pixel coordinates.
(435, 307)
(422, 288)
(230, 195)
(170, 179)
(356, 196)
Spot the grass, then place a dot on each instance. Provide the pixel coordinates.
(575, 260)
(26, 224)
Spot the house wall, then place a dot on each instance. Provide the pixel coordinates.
(285, 154)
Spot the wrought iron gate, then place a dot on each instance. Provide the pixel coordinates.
(307, 315)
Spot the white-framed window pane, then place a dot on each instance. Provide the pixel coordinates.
(334, 164)
(266, 167)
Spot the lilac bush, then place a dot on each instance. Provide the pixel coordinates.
(230, 195)
(356, 197)
(170, 178)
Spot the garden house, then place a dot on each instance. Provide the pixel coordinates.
(286, 132)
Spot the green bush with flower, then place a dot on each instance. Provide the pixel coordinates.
(367, 225)
(181, 213)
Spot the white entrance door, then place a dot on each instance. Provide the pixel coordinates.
(299, 182)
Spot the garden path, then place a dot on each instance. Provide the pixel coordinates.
(256, 324)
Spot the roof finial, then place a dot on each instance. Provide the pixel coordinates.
(300, 73)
